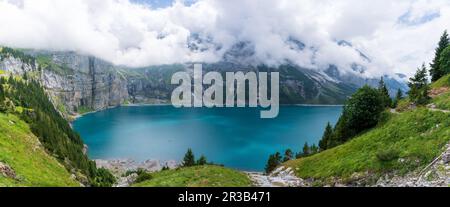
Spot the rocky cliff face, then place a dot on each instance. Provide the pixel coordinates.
(74, 82)
(89, 82)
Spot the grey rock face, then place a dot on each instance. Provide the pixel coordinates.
(91, 83)
(15, 65)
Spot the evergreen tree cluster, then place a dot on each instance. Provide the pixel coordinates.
(26, 98)
(276, 159)
(419, 87)
(362, 111)
(189, 160)
(440, 65)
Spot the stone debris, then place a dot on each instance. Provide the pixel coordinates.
(7, 171)
(121, 166)
(435, 175)
(281, 177)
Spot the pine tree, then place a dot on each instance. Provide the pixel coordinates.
(189, 159)
(327, 136)
(419, 87)
(444, 61)
(398, 97)
(273, 162)
(288, 155)
(202, 160)
(387, 101)
(436, 70)
(314, 149)
(306, 150)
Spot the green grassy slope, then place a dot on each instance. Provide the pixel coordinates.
(417, 136)
(199, 176)
(442, 82)
(404, 142)
(21, 150)
(442, 101)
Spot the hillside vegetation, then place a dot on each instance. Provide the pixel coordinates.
(24, 154)
(197, 176)
(24, 97)
(405, 142)
(402, 142)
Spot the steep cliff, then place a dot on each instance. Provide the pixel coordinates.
(80, 82)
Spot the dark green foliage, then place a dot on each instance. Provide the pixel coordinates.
(444, 60)
(9, 52)
(384, 93)
(363, 109)
(288, 155)
(314, 149)
(306, 150)
(202, 160)
(103, 178)
(398, 97)
(419, 87)
(143, 176)
(361, 112)
(436, 71)
(326, 138)
(273, 162)
(53, 131)
(387, 155)
(189, 159)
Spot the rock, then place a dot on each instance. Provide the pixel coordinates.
(121, 166)
(171, 164)
(127, 181)
(281, 177)
(85, 149)
(7, 171)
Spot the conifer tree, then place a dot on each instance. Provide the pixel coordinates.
(314, 149)
(398, 97)
(189, 159)
(419, 87)
(273, 162)
(306, 150)
(387, 101)
(202, 160)
(288, 155)
(327, 136)
(444, 61)
(436, 71)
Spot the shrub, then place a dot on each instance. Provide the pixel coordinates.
(387, 155)
(103, 178)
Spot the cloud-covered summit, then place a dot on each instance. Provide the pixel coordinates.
(397, 36)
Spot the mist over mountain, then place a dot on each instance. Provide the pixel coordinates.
(309, 34)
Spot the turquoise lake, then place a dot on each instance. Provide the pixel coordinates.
(235, 137)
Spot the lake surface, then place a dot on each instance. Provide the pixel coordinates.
(235, 137)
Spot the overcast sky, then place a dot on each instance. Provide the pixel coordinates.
(396, 35)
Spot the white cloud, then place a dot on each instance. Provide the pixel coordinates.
(397, 35)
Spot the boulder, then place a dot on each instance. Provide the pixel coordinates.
(7, 171)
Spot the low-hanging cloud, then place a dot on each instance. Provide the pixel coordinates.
(397, 36)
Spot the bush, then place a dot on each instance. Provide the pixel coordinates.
(143, 176)
(387, 155)
(103, 178)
